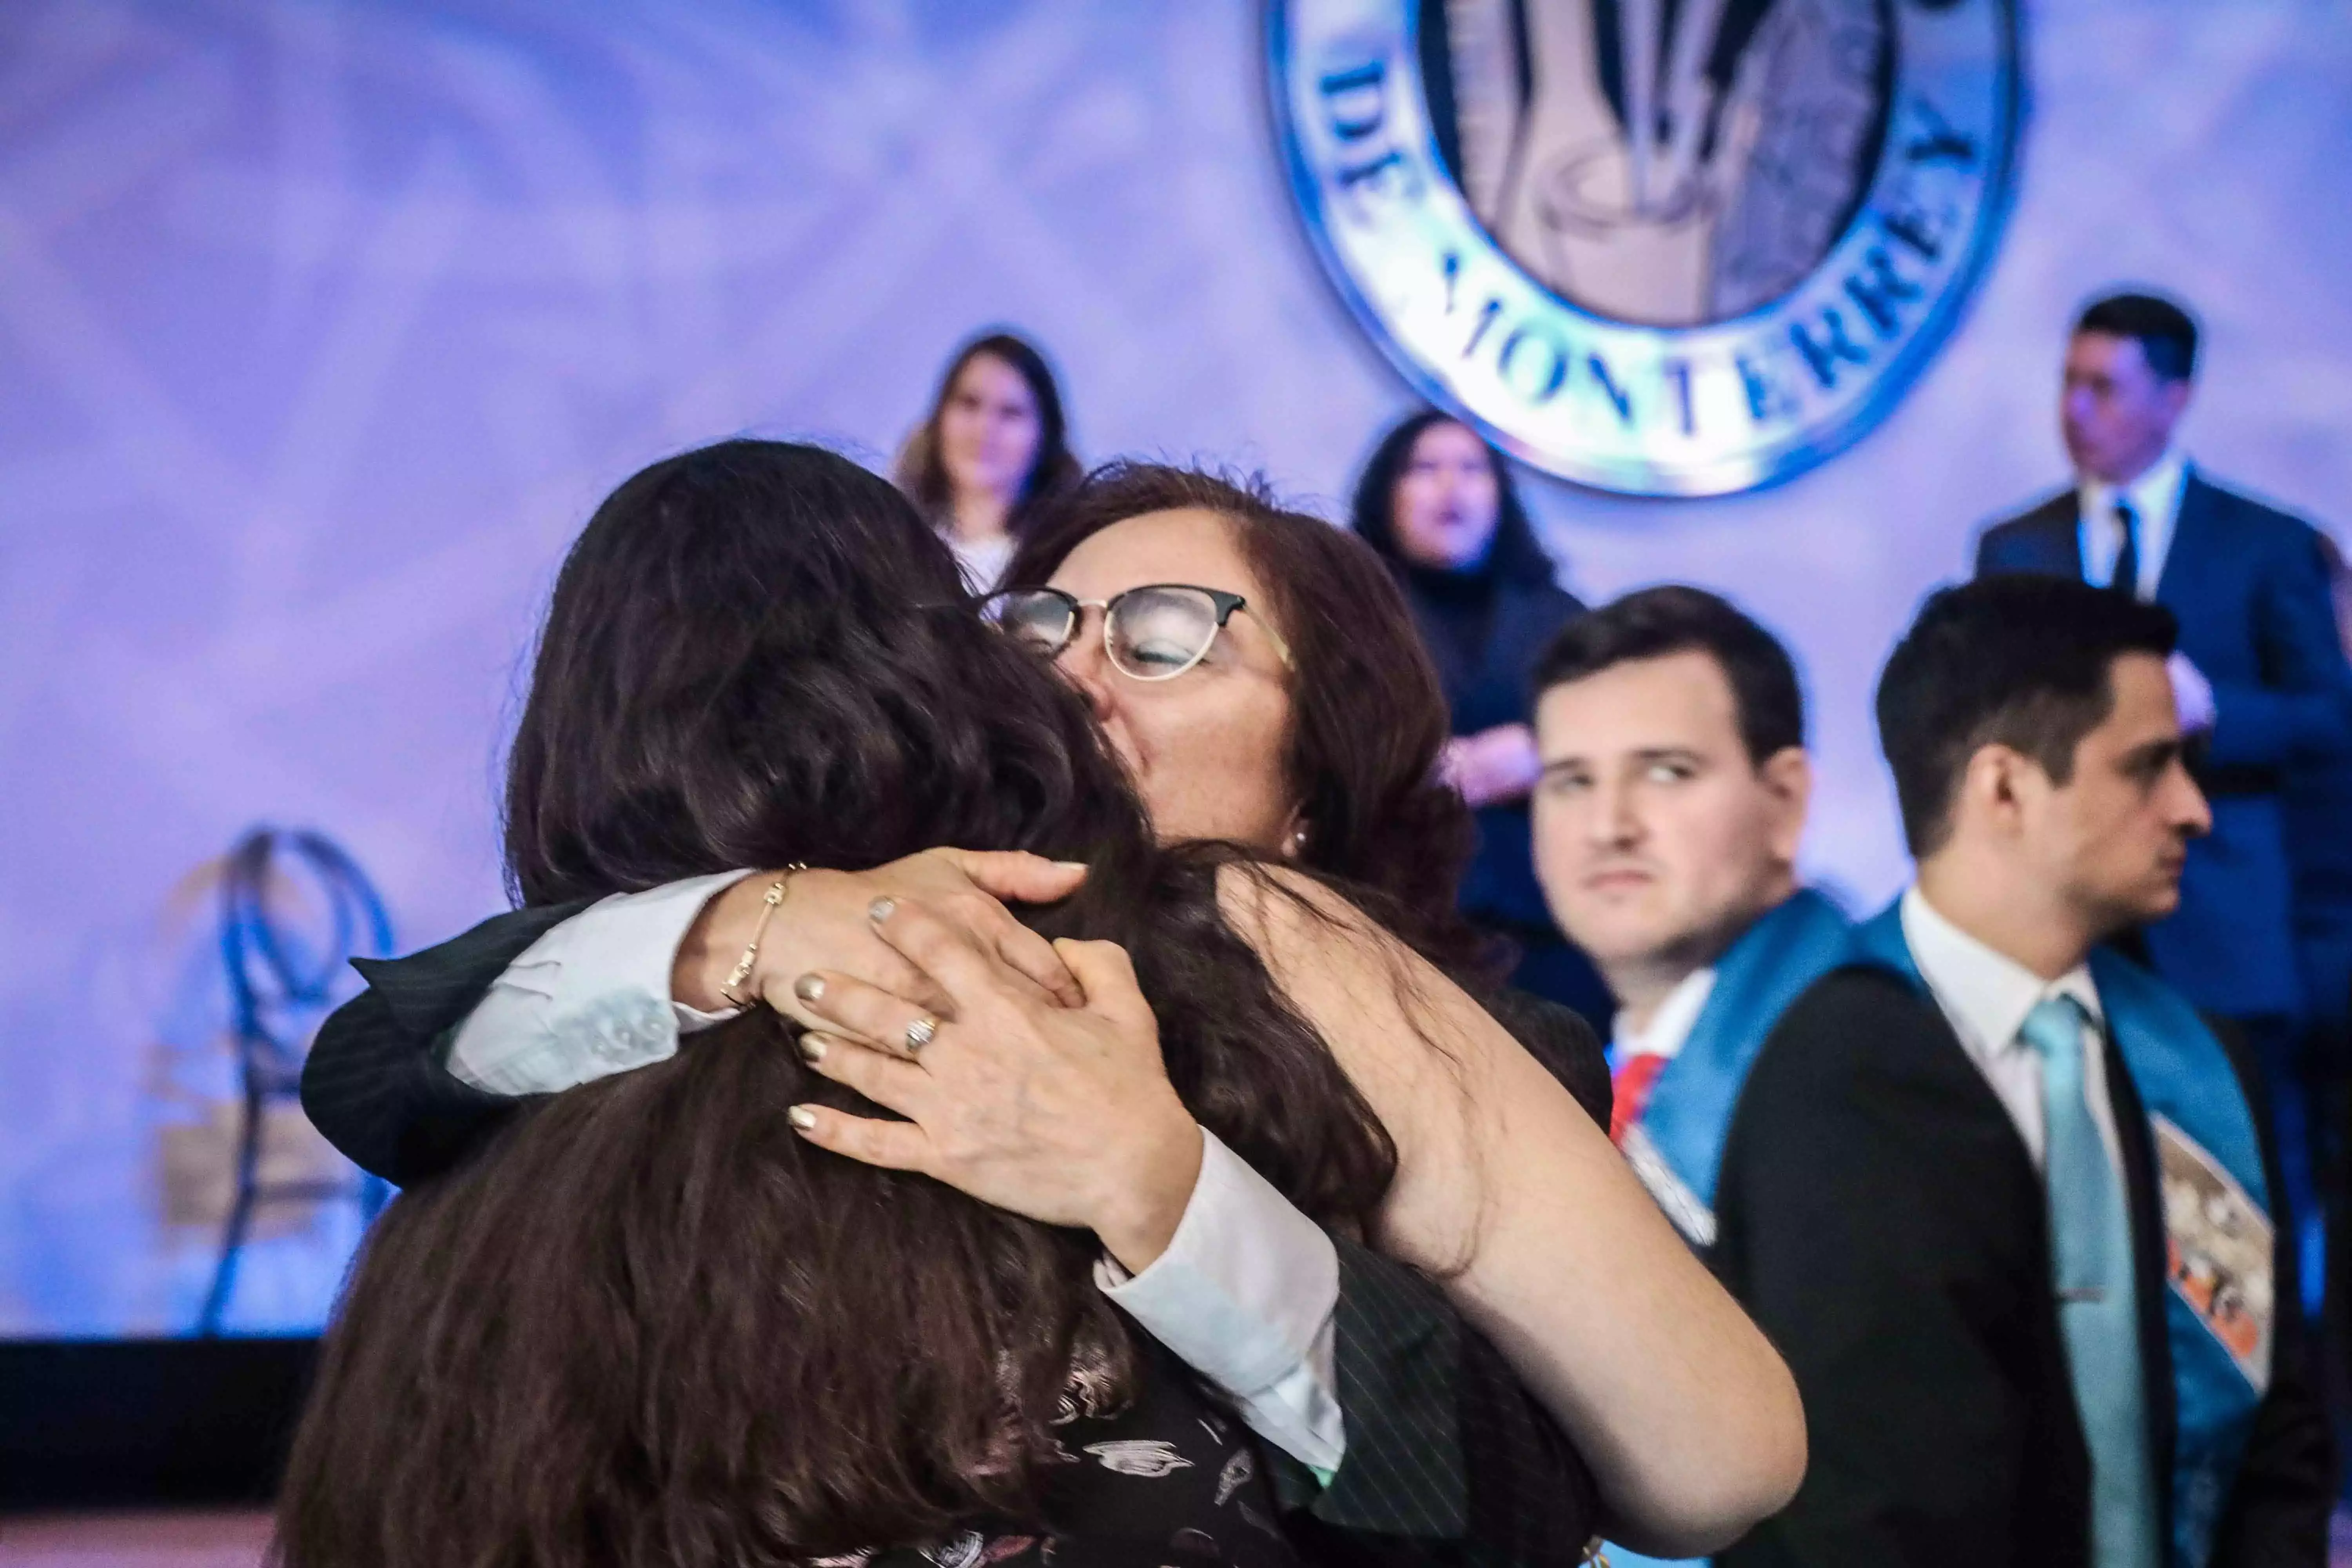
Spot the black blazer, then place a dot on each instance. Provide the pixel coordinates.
(1499, 688)
(1881, 1219)
(2249, 585)
(1447, 1453)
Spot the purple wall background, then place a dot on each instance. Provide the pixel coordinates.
(322, 326)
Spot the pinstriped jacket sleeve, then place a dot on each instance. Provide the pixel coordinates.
(376, 1083)
(1449, 1459)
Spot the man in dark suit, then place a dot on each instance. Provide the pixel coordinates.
(1671, 730)
(2259, 659)
(1840, 1146)
(2003, 1199)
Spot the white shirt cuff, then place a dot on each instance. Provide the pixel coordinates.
(589, 998)
(1246, 1294)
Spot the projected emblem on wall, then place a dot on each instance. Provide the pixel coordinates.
(1659, 246)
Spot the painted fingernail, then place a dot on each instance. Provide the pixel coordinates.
(813, 1048)
(802, 1117)
(880, 910)
(1070, 865)
(809, 988)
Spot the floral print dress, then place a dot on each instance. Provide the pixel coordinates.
(1171, 1480)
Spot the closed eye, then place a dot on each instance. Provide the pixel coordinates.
(1157, 654)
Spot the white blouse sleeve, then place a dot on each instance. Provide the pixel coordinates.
(589, 998)
(1246, 1295)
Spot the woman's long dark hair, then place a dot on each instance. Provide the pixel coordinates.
(922, 473)
(1514, 557)
(1368, 717)
(650, 1324)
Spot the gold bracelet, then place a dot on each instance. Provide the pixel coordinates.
(742, 970)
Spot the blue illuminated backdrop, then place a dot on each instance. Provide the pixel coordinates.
(323, 323)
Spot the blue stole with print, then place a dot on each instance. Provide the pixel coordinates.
(2219, 1301)
(1676, 1147)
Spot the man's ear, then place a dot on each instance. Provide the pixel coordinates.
(1993, 786)
(1788, 777)
(2176, 396)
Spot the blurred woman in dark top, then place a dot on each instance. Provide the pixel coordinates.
(1437, 501)
(993, 450)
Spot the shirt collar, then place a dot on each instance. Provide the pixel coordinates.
(1671, 1025)
(1986, 994)
(2154, 497)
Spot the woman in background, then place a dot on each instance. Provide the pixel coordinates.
(1437, 503)
(992, 452)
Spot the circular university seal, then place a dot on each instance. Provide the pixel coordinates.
(1659, 246)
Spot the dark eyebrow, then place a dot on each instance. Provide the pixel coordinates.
(1645, 755)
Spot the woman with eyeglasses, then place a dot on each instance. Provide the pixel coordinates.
(646, 1323)
(991, 455)
(1254, 672)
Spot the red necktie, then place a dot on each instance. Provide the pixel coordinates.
(1631, 1083)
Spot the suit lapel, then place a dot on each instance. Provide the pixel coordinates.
(2191, 559)
(2151, 1263)
(2061, 537)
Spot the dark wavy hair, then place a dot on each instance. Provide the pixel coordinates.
(1368, 717)
(923, 475)
(647, 1323)
(1514, 555)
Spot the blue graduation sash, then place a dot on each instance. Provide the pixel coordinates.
(1676, 1147)
(2219, 1304)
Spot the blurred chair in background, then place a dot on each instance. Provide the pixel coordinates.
(282, 973)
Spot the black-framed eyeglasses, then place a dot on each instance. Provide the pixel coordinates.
(1155, 632)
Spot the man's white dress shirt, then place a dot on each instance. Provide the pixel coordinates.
(1669, 1027)
(2155, 499)
(1246, 1293)
(1985, 997)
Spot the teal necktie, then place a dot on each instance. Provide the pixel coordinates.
(2098, 1299)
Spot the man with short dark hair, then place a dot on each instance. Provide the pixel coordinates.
(1671, 732)
(2258, 660)
(1672, 736)
(2092, 1271)
(1885, 1139)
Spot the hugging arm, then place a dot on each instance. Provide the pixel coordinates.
(1508, 1192)
(377, 1082)
(415, 1071)
(1324, 1346)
